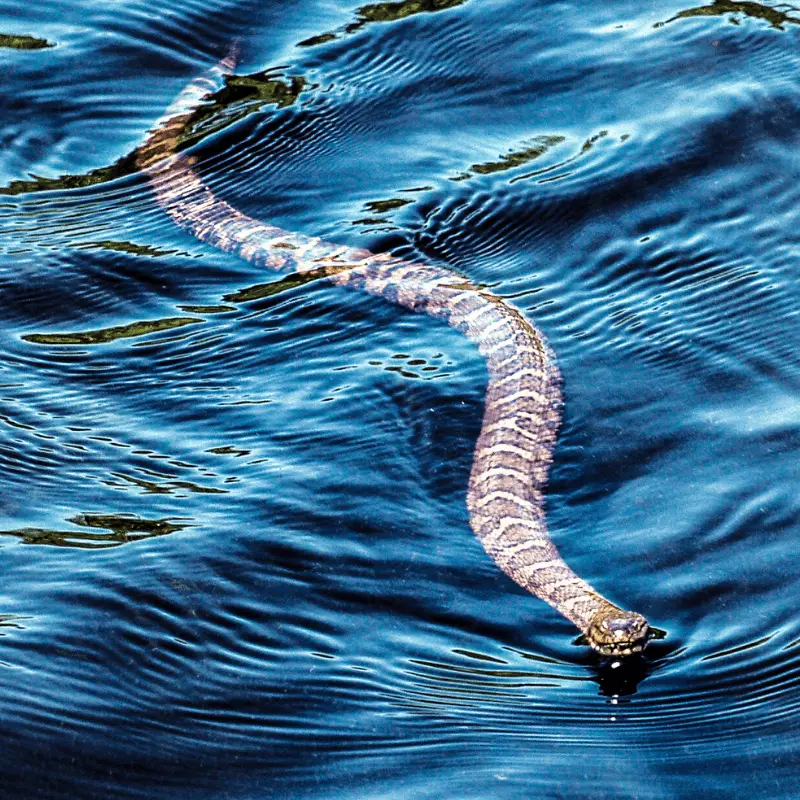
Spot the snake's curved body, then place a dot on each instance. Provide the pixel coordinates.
(522, 408)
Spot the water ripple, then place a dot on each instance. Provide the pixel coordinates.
(216, 584)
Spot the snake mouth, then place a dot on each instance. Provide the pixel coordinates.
(614, 632)
(627, 649)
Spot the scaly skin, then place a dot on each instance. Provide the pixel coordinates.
(523, 398)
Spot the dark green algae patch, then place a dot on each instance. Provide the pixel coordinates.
(37, 183)
(531, 150)
(208, 309)
(127, 247)
(23, 42)
(383, 12)
(718, 8)
(166, 487)
(382, 206)
(106, 335)
(263, 290)
(240, 96)
(96, 531)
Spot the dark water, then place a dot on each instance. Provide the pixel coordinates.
(236, 561)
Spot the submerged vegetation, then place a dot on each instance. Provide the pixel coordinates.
(771, 14)
(207, 309)
(240, 96)
(275, 287)
(128, 247)
(23, 42)
(531, 150)
(383, 12)
(36, 183)
(161, 486)
(119, 529)
(105, 335)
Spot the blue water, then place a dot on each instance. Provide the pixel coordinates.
(235, 556)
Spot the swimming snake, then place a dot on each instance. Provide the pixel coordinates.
(522, 411)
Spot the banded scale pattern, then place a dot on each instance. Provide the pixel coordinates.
(522, 410)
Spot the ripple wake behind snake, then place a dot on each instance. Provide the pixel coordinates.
(514, 450)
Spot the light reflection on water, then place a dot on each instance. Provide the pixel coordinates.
(261, 580)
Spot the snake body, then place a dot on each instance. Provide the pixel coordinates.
(514, 450)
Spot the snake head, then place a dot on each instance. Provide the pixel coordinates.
(614, 632)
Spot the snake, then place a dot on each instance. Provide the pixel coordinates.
(523, 399)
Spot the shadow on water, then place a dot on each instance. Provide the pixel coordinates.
(621, 677)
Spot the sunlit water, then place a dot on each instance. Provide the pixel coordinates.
(236, 561)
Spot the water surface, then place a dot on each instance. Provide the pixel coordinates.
(235, 554)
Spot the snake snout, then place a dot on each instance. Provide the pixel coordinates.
(614, 632)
